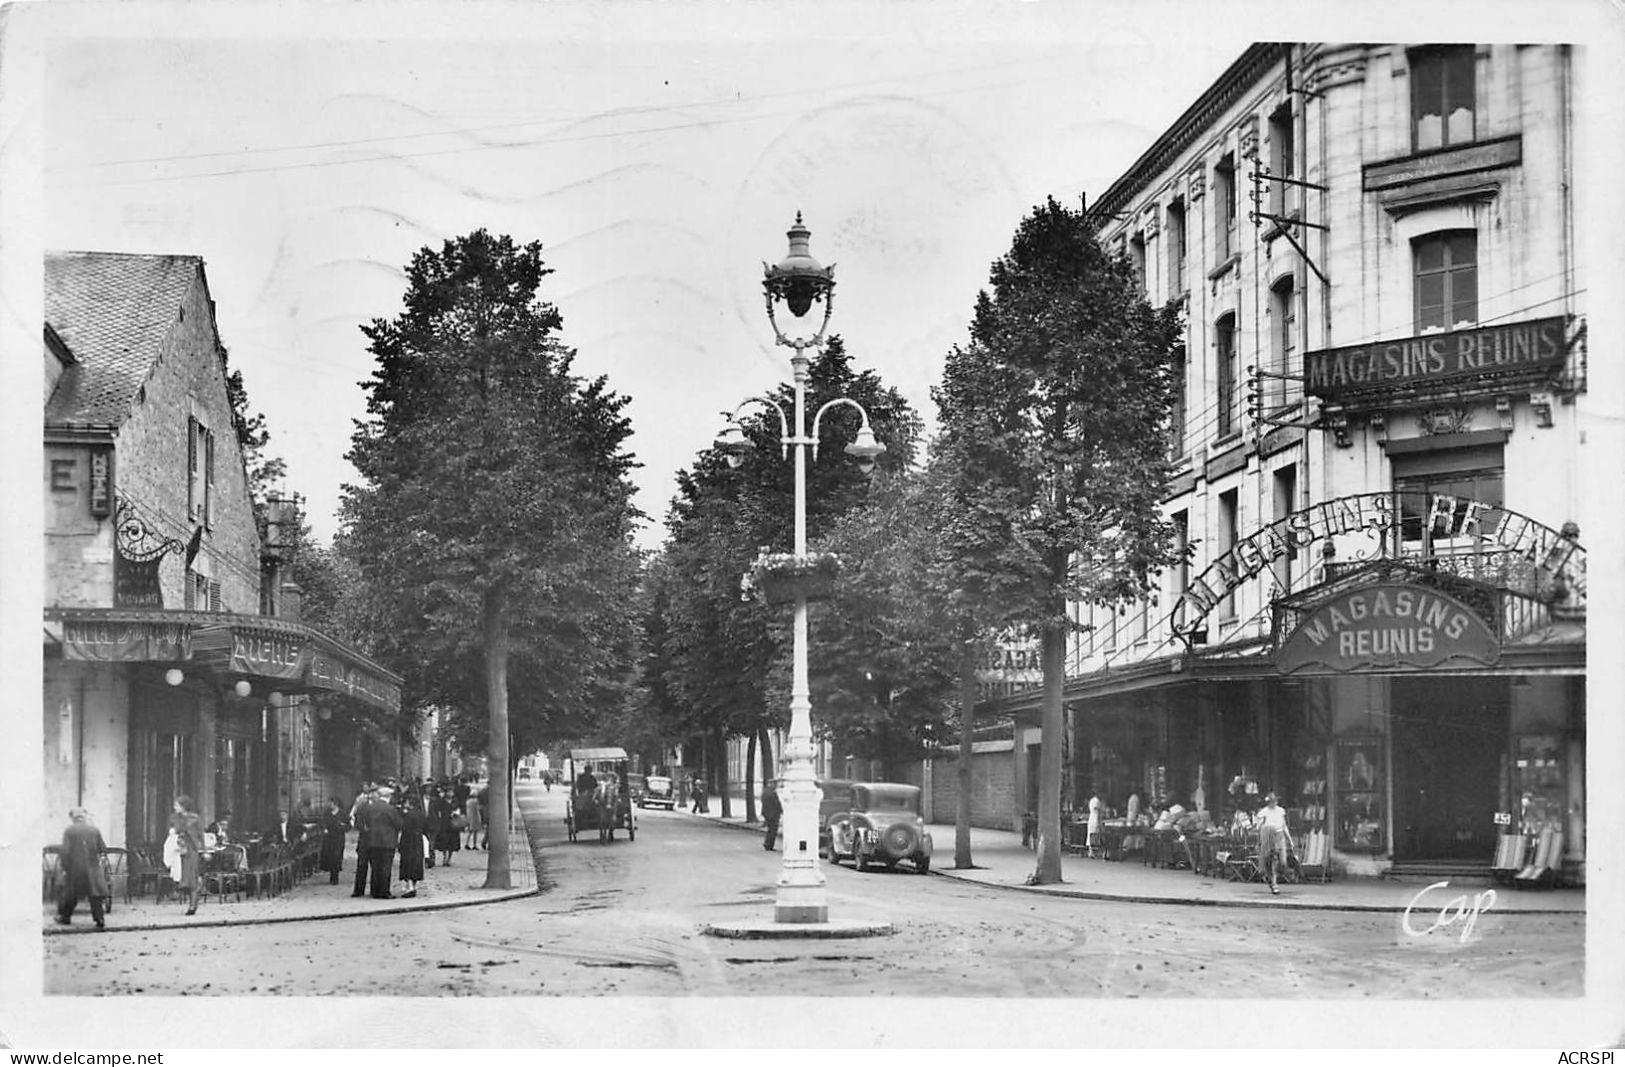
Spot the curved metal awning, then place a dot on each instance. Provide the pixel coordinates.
(286, 656)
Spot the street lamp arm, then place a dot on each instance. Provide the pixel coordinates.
(785, 440)
(865, 434)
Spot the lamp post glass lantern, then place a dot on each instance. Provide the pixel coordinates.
(798, 282)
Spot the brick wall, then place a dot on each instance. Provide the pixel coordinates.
(188, 379)
(993, 787)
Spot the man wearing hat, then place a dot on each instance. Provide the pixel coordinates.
(360, 815)
(82, 849)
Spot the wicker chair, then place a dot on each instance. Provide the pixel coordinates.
(142, 874)
(223, 872)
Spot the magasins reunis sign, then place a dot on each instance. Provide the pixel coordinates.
(1382, 627)
(1418, 361)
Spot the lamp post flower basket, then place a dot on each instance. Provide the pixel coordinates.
(780, 577)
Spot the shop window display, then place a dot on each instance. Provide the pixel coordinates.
(1361, 810)
(1539, 782)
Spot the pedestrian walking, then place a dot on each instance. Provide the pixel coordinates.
(383, 836)
(360, 817)
(471, 817)
(772, 811)
(188, 827)
(334, 825)
(1274, 839)
(82, 873)
(485, 817)
(413, 822)
(696, 787)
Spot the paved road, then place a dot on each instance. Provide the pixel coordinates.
(626, 918)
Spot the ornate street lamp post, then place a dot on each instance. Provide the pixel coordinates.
(798, 282)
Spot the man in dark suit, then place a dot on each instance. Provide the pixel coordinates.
(82, 874)
(383, 834)
(360, 815)
(285, 831)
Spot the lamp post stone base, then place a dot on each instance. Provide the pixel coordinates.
(768, 930)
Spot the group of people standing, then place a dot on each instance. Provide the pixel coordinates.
(420, 822)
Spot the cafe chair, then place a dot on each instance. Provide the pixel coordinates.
(1541, 872)
(1314, 861)
(223, 871)
(114, 876)
(263, 876)
(1239, 864)
(1511, 856)
(142, 875)
(51, 872)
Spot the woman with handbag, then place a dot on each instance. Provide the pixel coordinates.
(188, 827)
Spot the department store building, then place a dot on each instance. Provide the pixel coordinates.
(1379, 460)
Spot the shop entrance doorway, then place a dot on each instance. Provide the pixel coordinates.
(1449, 735)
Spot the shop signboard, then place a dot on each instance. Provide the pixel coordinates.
(1011, 666)
(273, 654)
(124, 641)
(1478, 526)
(1385, 627)
(1537, 346)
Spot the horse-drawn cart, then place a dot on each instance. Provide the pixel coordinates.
(599, 799)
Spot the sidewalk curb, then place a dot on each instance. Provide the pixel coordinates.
(1139, 898)
(505, 895)
(501, 896)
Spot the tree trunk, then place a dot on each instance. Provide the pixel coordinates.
(967, 724)
(750, 774)
(1049, 759)
(719, 745)
(494, 617)
(770, 769)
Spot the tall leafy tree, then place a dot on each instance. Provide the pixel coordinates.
(725, 657)
(1056, 411)
(493, 529)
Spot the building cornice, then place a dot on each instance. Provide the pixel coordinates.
(1200, 117)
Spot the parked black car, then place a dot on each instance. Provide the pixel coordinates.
(882, 824)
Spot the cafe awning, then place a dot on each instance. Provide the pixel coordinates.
(286, 656)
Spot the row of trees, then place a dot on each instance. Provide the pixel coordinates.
(487, 553)
(1041, 489)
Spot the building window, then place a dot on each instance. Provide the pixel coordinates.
(1224, 335)
(1442, 96)
(199, 472)
(197, 592)
(1177, 410)
(1283, 342)
(1286, 496)
(1224, 206)
(1445, 497)
(1176, 248)
(1283, 196)
(1446, 280)
(1229, 530)
(1136, 255)
(1182, 544)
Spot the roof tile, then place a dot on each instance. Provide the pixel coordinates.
(112, 309)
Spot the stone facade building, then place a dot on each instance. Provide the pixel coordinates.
(1379, 460)
(169, 667)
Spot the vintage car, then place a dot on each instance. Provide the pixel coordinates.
(657, 793)
(835, 797)
(882, 825)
